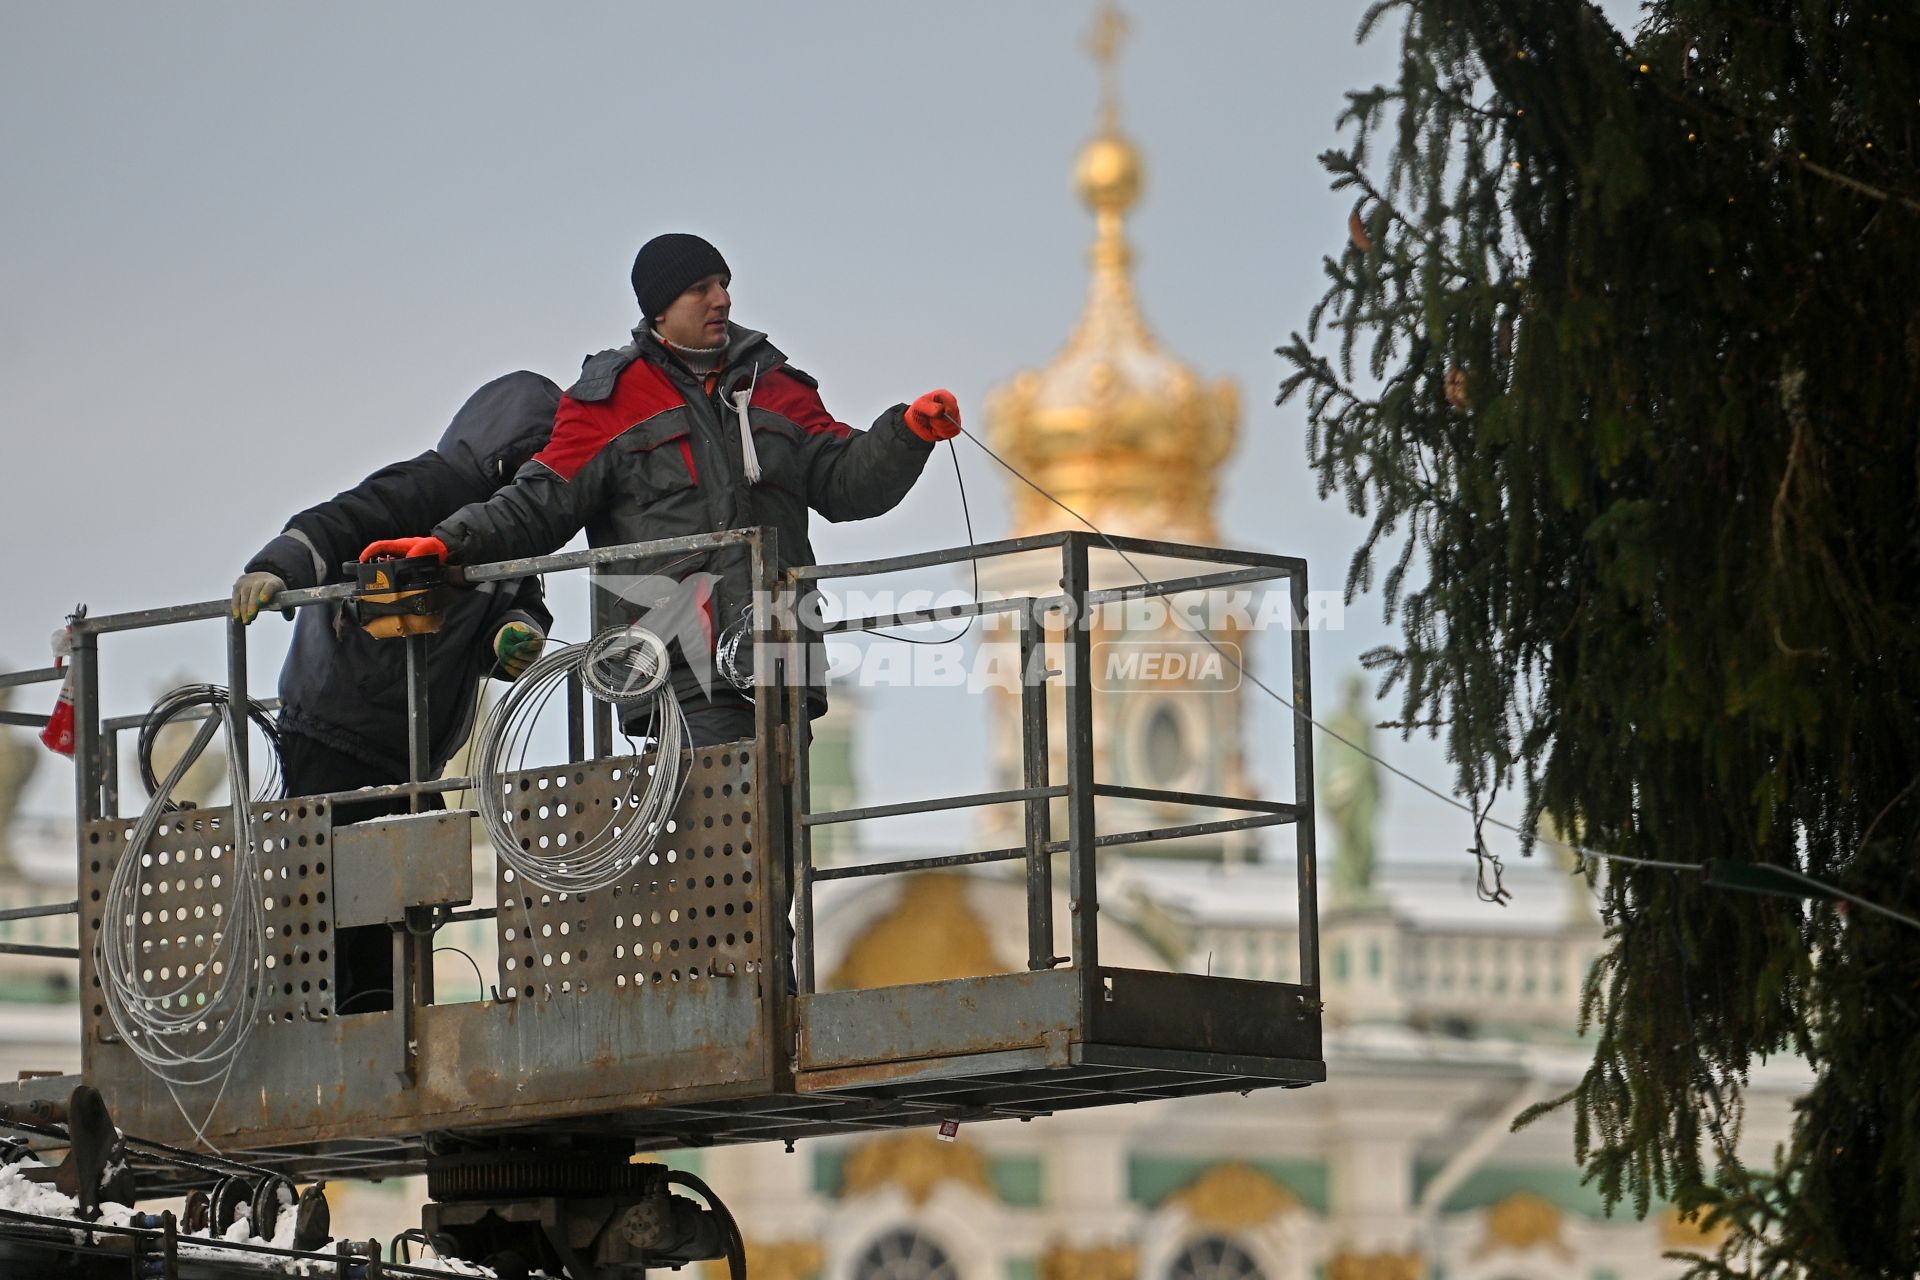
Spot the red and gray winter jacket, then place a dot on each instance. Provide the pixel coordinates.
(643, 450)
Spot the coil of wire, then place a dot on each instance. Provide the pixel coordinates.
(188, 1028)
(625, 667)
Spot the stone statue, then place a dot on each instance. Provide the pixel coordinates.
(1350, 794)
(19, 758)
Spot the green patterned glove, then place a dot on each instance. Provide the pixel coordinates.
(517, 645)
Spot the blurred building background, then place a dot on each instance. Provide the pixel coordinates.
(1447, 1015)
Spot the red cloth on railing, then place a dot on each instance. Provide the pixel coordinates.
(58, 735)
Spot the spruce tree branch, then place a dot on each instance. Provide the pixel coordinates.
(1902, 794)
(1853, 184)
(1432, 243)
(1795, 451)
(1485, 113)
(1748, 126)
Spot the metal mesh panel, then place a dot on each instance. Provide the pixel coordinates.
(186, 896)
(296, 877)
(683, 921)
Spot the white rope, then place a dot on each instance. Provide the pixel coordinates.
(749, 456)
(621, 666)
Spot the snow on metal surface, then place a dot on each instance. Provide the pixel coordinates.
(20, 1195)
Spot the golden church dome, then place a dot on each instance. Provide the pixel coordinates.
(1116, 424)
(1130, 437)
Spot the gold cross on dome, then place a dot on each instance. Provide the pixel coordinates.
(1103, 41)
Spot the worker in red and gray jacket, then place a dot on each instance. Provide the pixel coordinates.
(698, 425)
(343, 703)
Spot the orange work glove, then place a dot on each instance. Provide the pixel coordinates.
(935, 416)
(405, 549)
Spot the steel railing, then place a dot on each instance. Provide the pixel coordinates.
(1073, 604)
(789, 642)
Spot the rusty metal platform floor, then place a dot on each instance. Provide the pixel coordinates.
(1009, 1046)
(996, 1087)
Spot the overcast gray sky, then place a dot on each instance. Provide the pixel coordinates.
(254, 251)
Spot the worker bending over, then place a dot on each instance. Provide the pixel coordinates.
(343, 693)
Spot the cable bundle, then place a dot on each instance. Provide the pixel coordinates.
(189, 1029)
(621, 666)
(727, 652)
(176, 702)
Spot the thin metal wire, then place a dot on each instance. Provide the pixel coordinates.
(966, 513)
(1583, 851)
(470, 960)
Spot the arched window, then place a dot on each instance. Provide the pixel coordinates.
(1214, 1258)
(1164, 747)
(905, 1254)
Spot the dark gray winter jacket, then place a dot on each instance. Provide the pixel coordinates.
(346, 689)
(643, 449)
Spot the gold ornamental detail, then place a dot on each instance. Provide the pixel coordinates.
(1524, 1221)
(930, 934)
(1098, 1262)
(1234, 1197)
(776, 1260)
(917, 1164)
(1376, 1266)
(1677, 1232)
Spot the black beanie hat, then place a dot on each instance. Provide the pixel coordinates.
(668, 265)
